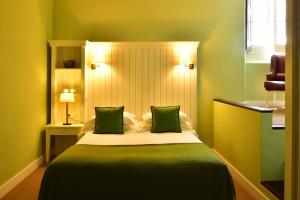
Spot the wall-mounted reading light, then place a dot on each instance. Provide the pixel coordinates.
(97, 57)
(187, 65)
(97, 65)
(185, 56)
(190, 65)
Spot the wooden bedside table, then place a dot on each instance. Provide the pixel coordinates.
(62, 130)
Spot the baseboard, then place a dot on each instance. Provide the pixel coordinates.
(15, 180)
(243, 181)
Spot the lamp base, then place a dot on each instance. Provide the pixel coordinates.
(66, 123)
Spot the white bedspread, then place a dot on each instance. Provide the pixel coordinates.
(138, 138)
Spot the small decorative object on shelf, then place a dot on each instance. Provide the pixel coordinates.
(69, 63)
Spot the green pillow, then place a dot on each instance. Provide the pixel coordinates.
(109, 120)
(165, 119)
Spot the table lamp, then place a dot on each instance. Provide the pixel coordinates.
(67, 97)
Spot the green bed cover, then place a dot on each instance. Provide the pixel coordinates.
(168, 171)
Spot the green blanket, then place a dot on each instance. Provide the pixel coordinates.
(169, 171)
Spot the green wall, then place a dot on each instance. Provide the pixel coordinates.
(25, 27)
(272, 151)
(218, 25)
(255, 75)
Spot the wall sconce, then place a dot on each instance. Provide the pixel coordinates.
(97, 58)
(186, 57)
(187, 65)
(190, 65)
(97, 65)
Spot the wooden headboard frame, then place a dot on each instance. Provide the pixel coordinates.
(140, 74)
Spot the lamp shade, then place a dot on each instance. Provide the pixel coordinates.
(67, 97)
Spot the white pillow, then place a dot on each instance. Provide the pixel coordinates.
(146, 124)
(129, 120)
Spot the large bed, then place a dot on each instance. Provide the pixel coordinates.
(153, 155)
(137, 166)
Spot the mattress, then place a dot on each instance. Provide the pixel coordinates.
(186, 169)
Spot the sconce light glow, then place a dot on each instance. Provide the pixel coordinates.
(185, 57)
(181, 69)
(101, 67)
(99, 54)
(98, 57)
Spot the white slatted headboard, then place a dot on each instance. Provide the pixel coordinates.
(138, 75)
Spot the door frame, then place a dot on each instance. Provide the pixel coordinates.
(292, 140)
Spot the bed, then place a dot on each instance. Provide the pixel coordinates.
(137, 166)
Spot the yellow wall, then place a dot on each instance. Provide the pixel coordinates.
(245, 139)
(25, 27)
(218, 25)
(236, 139)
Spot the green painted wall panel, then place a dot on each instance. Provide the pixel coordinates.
(272, 148)
(25, 27)
(218, 25)
(255, 76)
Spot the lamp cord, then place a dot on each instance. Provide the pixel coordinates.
(76, 120)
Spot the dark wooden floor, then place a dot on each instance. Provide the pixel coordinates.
(28, 189)
(276, 187)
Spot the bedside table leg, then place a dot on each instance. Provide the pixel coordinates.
(48, 146)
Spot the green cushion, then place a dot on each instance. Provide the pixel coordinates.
(109, 120)
(165, 119)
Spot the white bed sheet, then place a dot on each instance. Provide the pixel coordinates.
(139, 138)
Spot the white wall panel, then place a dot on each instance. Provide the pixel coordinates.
(138, 75)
